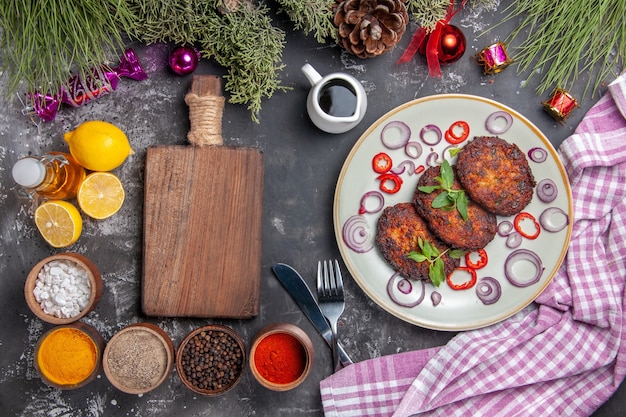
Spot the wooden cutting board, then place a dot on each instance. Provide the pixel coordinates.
(202, 223)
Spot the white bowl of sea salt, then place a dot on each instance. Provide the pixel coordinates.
(63, 288)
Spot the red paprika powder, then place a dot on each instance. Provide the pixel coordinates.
(280, 358)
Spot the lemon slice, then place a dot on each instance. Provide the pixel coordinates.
(100, 195)
(59, 223)
(98, 145)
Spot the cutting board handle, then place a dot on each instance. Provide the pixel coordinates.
(206, 106)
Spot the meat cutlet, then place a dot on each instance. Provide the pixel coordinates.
(447, 224)
(496, 174)
(398, 230)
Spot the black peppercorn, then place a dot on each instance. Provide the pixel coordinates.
(211, 360)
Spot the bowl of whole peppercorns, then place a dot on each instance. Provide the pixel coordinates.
(210, 360)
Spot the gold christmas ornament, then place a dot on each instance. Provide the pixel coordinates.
(368, 28)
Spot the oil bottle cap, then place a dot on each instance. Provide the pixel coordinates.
(29, 172)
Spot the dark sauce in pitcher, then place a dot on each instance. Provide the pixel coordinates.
(337, 98)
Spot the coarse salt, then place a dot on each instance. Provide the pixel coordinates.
(62, 288)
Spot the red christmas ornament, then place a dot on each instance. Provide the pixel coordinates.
(444, 45)
(452, 45)
(560, 105)
(184, 60)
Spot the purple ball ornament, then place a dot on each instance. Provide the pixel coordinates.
(183, 60)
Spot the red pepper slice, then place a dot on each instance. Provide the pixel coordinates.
(519, 219)
(394, 179)
(480, 262)
(420, 169)
(381, 163)
(452, 137)
(464, 285)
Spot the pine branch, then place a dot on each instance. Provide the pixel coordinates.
(237, 34)
(42, 44)
(246, 42)
(311, 16)
(426, 13)
(561, 40)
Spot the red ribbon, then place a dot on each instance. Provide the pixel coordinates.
(420, 37)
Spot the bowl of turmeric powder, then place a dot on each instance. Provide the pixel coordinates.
(69, 356)
(281, 356)
(63, 288)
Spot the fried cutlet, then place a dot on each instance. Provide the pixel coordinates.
(496, 174)
(398, 230)
(471, 234)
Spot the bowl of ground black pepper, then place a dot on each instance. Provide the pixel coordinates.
(210, 360)
(281, 356)
(138, 358)
(63, 288)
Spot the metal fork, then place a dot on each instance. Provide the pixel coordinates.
(330, 299)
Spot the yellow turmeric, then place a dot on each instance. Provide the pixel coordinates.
(67, 356)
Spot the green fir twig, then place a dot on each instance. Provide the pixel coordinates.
(246, 42)
(565, 39)
(44, 43)
(311, 16)
(238, 35)
(426, 13)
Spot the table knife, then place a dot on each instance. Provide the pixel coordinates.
(301, 294)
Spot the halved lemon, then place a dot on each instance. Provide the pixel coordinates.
(100, 195)
(59, 223)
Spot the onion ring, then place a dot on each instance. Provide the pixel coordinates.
(492, 125)
(538, 154)
(435, 297)
(363, 207)
(402, 291)
(505, 228)
(488, 290)
(520, 280)
(431, 128)
(356, 234)
(432, 160)
(395, 141)
(546, 190)
(546, 219)
(413, 145)
(402, 167)
(513, 240)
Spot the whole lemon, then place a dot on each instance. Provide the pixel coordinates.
(98, 145)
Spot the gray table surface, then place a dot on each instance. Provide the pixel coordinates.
(302, 165)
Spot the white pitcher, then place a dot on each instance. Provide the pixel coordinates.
(336, 103)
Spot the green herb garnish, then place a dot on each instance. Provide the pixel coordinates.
(429, 253)
(449, 198)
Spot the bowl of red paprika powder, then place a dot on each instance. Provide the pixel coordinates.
(281, 356)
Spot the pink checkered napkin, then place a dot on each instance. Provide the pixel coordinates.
(563, 355)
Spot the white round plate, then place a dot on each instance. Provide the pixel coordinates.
(458, 309)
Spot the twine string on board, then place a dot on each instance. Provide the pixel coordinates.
(205, 117)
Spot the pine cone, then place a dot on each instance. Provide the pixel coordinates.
(369, 28)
